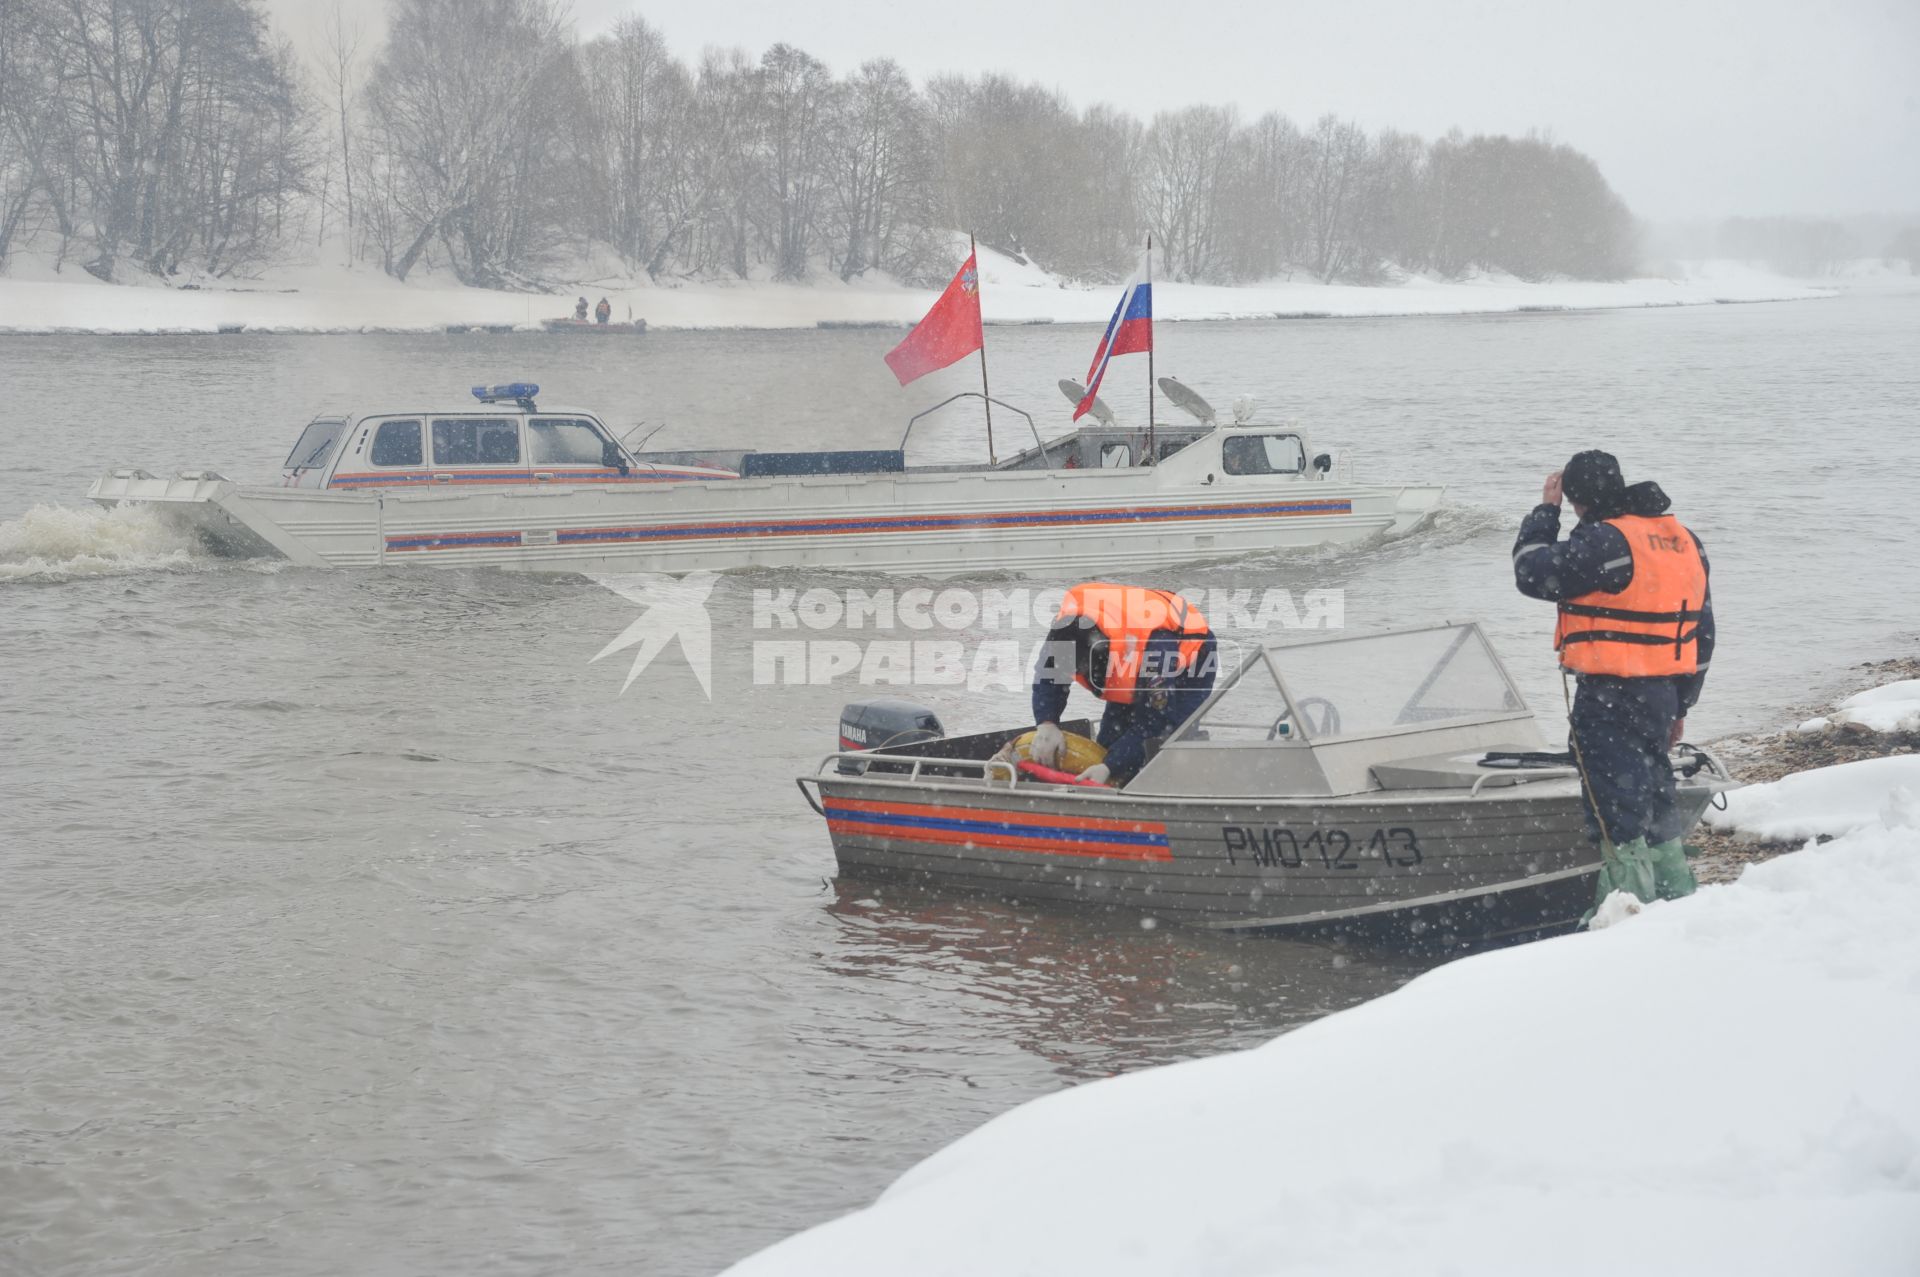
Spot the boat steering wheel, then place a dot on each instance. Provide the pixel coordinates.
(1325, 723)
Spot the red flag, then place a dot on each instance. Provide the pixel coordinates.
(949, 333)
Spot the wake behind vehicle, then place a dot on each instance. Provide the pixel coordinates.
(508, 483)
(1391, 783)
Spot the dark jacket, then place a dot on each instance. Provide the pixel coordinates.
(1595, 556)
(1158, 706)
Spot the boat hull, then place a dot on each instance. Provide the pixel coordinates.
(933, 524)
(1507, 859)
(589, 327)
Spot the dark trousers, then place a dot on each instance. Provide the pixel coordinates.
(1127, 732)
(1620, 729)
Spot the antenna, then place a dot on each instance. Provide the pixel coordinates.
(1075, 392)
(1188, 401)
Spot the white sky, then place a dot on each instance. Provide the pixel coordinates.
(1693, 108)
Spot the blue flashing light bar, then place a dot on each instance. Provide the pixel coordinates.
(510, 390)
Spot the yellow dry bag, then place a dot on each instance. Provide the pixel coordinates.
(1081, 752)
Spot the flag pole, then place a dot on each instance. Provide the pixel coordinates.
(986, 395)
(1149, 354)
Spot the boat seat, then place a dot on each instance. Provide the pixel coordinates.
(1455, 771)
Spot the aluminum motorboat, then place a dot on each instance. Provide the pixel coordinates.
(1392, 783)
(507, 482)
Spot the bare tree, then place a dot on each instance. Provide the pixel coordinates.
(796, 98)
(1905, 246)
(726, 144)
(167, 132)
(475, 144)
(1009, 164)
(28, 81)
(1262, 228)
(636, 109)
(339, 62)
(1109, 145)
(1391, 225)
(1337, 152)
(1792, 245)
(1525, 206)
(1184, 173)
(880, 173)
(687, 178)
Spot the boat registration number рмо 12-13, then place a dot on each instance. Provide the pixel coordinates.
(1278, 847)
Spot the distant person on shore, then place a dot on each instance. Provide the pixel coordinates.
(603, 312)
(1636, 628)
(580, 310)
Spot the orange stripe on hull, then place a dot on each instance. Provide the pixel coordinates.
(1095, 823)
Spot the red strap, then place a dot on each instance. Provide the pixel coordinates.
(1054, 776)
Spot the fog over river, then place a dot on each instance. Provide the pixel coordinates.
(355, 922)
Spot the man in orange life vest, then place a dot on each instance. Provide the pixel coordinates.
(1636, 627)
(1148, 654)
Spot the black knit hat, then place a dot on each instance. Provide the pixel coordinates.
(1592, 478)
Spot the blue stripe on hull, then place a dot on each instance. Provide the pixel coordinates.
(877, 524)
(939, 523)
(998, 827)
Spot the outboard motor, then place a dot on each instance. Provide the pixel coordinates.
(887, 721)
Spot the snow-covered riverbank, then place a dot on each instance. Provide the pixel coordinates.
(1721, 1084)
(35, 300)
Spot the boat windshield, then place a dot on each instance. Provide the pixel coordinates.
(1252, 709)
(1361, 685)
(315, 444)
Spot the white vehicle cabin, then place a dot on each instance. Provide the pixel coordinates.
(503, 440)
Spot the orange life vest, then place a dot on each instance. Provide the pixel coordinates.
(1651, 628)
(1127, 616)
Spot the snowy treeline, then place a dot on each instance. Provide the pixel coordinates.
(484, 137)
(1807, 247)
(1810, 246)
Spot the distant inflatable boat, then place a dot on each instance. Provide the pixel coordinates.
(589, 326)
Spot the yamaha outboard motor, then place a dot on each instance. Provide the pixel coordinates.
(887, 721)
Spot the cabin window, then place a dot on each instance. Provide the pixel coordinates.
(476, 441)
(1262, 454)
(565, 441)
(1115, 456)
(315, 445)
(396, 443)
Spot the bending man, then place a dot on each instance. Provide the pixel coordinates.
(1147, 653)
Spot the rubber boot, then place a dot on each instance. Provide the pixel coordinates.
(1629, 868)
(1673, 877)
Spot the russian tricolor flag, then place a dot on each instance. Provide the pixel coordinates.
(1129, 332)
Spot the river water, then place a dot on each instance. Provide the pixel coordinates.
(359, 923)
